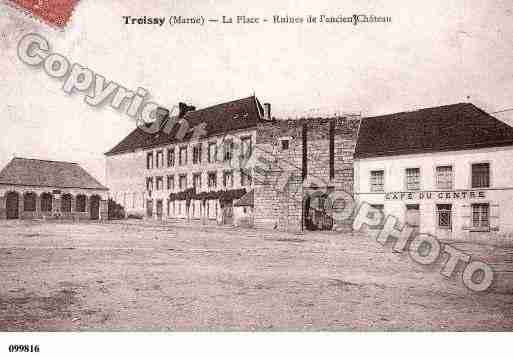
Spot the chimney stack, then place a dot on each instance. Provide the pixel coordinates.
(267, 111)
(184, 108)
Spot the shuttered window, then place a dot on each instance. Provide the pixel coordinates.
(413, 179)
(444, 177)
(480, 175)
(480, 215)
(377, 181)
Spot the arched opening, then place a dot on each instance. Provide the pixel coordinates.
(66, 203)
(46, 202)
(317, 214)
(29, 202)
(81, 203)
(12, 205)
(95, 207)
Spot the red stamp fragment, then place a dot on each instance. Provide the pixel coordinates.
(54, 12)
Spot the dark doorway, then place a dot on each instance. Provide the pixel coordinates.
(160, 209)
(95, 207)
(149, 208)
(12, 205)
(228, 212)
(317, 213)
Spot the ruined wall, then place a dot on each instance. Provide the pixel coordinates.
(281, 185)
(278, 182)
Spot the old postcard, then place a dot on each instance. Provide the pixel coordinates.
(214, 166)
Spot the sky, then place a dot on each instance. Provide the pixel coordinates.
(432, 53)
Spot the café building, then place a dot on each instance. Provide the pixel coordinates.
(445, 170)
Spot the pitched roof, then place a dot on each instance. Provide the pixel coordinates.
(229, 116)
(455, 127)
(40, 173)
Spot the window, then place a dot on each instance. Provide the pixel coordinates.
(413, 215)
(377, 181)
(196, 154)
(480, 175)
(245, 147)
(413, 179)
(480, 215)
(228, 179)
(149, 184)
(171, 183)
(183, 156)
(196, 181)
(81, 203)
(160, 159)
(171, 157)
(245, 177)
(212, 152)
(444, 177)
(160, 183)
(228, 150)
(285, 144)
(149, 160)
(29, 202)
(46, 202)
(182, 182)
(212, 180)
(66, 203)
(444, 215)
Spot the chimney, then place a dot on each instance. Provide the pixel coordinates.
(162, 114)
(184, 108)
(267, 111)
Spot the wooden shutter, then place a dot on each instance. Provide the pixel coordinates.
(494, 217)
(466, 215)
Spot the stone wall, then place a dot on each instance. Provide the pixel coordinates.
(283, 179)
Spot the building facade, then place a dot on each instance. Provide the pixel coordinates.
(36, 189)
(245, 168)
(444, 170)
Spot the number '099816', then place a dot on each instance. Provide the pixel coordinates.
(23, 348)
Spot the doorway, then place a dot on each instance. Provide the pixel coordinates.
(12, 205)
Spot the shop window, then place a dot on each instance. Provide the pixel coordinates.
(377, 181)
(444, 177)
(481, 215)
(480, 175)
(413, 179)
(444, 212)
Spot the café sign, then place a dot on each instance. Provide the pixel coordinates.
(434, 195)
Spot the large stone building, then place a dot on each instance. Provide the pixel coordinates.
(31, 188)
(444, 170)
(233, 163)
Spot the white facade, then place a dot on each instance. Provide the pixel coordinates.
(449, 204)
(127, 175)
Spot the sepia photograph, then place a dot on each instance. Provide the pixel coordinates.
(326, 171)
